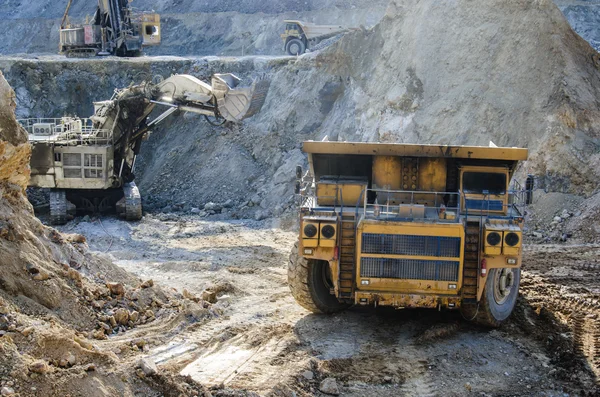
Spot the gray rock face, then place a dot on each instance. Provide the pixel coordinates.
(329, 386)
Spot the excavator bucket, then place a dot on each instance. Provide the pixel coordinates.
(237, 103)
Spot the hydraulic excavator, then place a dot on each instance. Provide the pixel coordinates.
(89, 163)
(114, 29)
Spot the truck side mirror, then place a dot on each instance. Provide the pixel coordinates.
(298, 172)
(297, 188)
(529, 185)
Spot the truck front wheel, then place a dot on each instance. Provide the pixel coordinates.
(499, 297)
(310, 283)
(295, 47)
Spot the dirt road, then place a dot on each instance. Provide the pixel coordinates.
(259, 340)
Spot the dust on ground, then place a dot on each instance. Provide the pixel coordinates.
(262, 342)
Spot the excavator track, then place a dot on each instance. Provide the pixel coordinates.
(58, 207)
(133, 202)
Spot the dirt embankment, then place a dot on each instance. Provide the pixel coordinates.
(59, 302)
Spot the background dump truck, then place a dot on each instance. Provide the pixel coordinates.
(409, 226)
(300, 36)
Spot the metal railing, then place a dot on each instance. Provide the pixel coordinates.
(405, 205)
(67, 131)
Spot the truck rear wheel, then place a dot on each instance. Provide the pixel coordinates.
(310, 283)
(499, 297)
(295, 47)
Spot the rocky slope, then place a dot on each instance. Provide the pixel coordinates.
(59, 301)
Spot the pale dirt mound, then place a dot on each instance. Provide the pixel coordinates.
(59, 303)
(447, 72)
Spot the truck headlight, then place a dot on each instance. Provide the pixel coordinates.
(493, 238)
(310, 230)
(328, 231)
(512, 239)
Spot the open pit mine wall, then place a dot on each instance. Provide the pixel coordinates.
(528, 81)
(190, 27)
(227, 27)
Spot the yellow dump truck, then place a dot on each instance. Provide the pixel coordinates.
(409, 226)
(300, 36)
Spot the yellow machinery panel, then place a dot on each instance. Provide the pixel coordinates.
(413, 258)
(512, 241)
(432, 175)
(150, 29)
(340, 192)
(493, 242)
(310, 234)
(387, 171)
(328, 234)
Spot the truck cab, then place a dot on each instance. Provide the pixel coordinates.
(409, 226)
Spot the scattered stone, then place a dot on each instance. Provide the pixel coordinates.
(195, 210)
(99, 334)
(329, 386)
(134, 316)
(39, 367)
(7, 391)
(116, 289)
(86, 218)
(190, 296)
(308, 375)
(90, 367)
(260, 215)
(27, 331)
(74, 275)
(557, 219)
(32, 269)
(41, 276)
(122, 316)
(209, 296)
(228, 203)
(68, 360)
(112, 321)
(147, 284)
(212, 207)
(387, 379)
(149, 314)
(537, 235)
(147, 366)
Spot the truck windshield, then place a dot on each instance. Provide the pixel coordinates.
(477, 182)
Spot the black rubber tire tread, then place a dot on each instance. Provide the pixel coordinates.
(297, 41)
(304, 289)
(487, 314)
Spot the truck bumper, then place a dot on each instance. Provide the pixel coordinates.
(407, 300)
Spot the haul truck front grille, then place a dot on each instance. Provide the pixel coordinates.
(409, 269)
(399, 244)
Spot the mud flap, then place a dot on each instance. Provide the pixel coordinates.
(234, 103)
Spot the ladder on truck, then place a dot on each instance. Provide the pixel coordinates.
(471, 262)
(347, 256)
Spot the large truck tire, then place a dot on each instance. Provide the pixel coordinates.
(309, 284)
(295, 47)
(499, 297)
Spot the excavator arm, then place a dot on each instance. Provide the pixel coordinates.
(125, 116)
